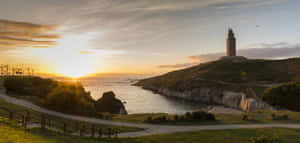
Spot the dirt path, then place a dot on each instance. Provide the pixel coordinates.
(149, 129)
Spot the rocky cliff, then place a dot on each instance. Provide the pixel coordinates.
(109, 103)
(216, 96)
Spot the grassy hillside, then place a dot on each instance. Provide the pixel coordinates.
(227, 72)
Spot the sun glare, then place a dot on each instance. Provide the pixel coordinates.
(70, 57)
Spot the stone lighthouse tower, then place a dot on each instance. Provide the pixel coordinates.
(231, 44)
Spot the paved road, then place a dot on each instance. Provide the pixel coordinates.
(149, 129)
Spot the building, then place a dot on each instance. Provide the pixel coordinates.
(231, 44)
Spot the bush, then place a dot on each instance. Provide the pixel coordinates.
(149, 119)
(201, 115)
(69, 98)
(159, 119)
(29, 86)
(284, 95)
(280, 117)
(176, 117)
(264, 139)
(188, 114)
(245, 118)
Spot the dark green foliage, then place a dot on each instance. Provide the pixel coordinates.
(284, 95)
(176, 117)
(279, 117)
(33, 86)
(201, 115)
(161, 118)
(188, 114)
(149, 119)
(194, 116)
(265, 139)
(245, 118)
(69, 98)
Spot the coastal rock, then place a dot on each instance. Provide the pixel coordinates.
(250, 104)
(109, 103)
(224, 110)
(232, 99)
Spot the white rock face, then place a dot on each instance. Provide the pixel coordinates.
(236, 100)
(250, 104)
(240, 101)
(232, 99)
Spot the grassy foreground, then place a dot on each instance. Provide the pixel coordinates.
(256, 117)
(9, 133)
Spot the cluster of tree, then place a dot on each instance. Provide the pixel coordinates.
(285, 95)
(69, 98)
(29, 85)
(59, 96)
(194, 116)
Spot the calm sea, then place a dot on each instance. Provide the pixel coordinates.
(136, 99)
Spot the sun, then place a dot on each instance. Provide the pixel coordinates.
(72, 56)
(72, 61)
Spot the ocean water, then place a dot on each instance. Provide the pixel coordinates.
(136, 99)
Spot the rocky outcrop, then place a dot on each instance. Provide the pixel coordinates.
(250, 104)
(109, 103)
(214, 96)
(231, 99)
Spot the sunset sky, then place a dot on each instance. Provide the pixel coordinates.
(78, 37)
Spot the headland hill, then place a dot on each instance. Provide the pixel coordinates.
(233, 81)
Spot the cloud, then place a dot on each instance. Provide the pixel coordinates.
(265, 51)
(24, 26)
(268, 45)
(184, 65)
(28, 35)
(246, 3)
(15, 34)
(132, 23)
(85, 52)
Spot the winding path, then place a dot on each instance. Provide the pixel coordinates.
(149, 129)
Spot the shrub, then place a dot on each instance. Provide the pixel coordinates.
(284, 95)
(181, 118)
(176, 117)
(160, 119)
(31, 86)
(245, 118)
(149, 119)
(69, 98)
(264, 139)
(280, 117)
(201, 115)
(188, 114)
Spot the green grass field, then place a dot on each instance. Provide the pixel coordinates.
(9, 133)
(258, 117)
